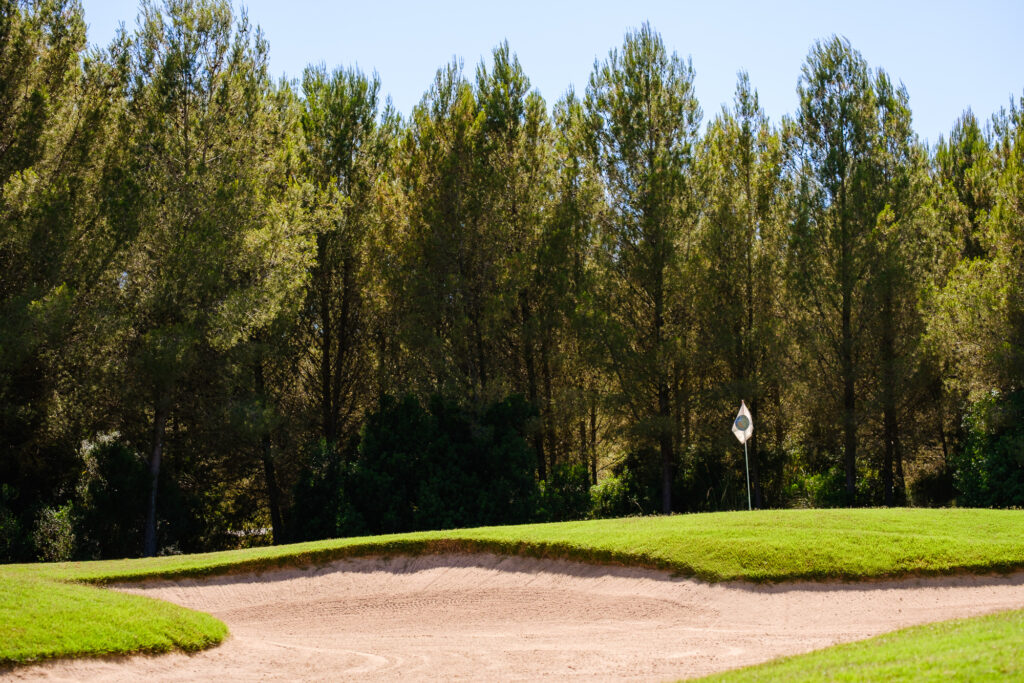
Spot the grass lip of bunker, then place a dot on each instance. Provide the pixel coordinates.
(766, 546)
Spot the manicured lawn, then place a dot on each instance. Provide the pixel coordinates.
(781, 545)
(989, 648)
(42, 619)
(44, 616)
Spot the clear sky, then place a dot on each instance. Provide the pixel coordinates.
(950, 55)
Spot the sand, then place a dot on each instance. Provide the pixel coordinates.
(483, 617)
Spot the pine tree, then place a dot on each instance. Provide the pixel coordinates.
(216, 252)
(644, 121)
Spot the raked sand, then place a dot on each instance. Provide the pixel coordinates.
(484, 617)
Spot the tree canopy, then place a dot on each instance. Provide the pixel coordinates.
(238, 311)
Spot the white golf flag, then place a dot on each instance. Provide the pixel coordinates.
(743, 425)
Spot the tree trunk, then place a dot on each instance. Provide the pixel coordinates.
(780, 430)
(890, 417)
(749, 358)
(481, 357)
(280, 535)
(531, 386)
(584, 453)
(664, 404)
(888, 425)
(666, 450)
(344, 332)
(888, 458)
(546, 421)
(266, 447)
(755, 477)
(328, 426)
(940, 412)
(159, 422)
(849, 401)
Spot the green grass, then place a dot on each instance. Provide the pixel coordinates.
(45, 616)
(783, 545)
(978, 649)
(42, 619)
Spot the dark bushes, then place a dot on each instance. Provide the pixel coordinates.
(436, 467)
(988, 470)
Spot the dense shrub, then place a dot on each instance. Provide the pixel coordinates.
(317, 495)
(639, 475)
(827, 489)
(54, 534)
(566, 493)
(615, 496)
(111, 504)
(932, 488)
(13, 544)
(712, 480)
(988, 470)
(415, 467)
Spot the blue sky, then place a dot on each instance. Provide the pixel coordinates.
(950, 55)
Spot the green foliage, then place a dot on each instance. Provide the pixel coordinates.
(821, 490)
(565, 494)
(933, 488)
(741, 247)
(317, 497)
(989, 468)
(712, 481)
(644, 118)
(111, 500)
(230, 273)
(12, 538)
(54, 534)
(217, 253)
(614, 497)
(442, 466)
(56, 109)
(345, 150)
(855, 252)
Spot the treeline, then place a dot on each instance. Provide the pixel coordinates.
(235, 310)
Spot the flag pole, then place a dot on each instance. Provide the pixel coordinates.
(747, 461)
(743, 427)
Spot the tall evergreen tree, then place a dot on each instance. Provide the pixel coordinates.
(978, 318)
(448, 259)
(514, 162)
(215, 254)
(832, 246)
(742, 242)
(57, 107)
(347, 146)
(645, 120)
(565, 279)
(901, 257)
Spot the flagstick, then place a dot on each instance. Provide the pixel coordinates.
(747, 461)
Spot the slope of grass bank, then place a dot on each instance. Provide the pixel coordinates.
(42, 619)
(778, 545)
(760, 546)
(989, 648)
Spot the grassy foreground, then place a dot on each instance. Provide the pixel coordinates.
(42, 619)
(989, 648)
(45, 612)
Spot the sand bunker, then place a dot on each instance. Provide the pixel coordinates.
(485, 617)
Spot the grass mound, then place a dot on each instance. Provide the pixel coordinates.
(44, 613)
(42, 619)
(989, 648)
